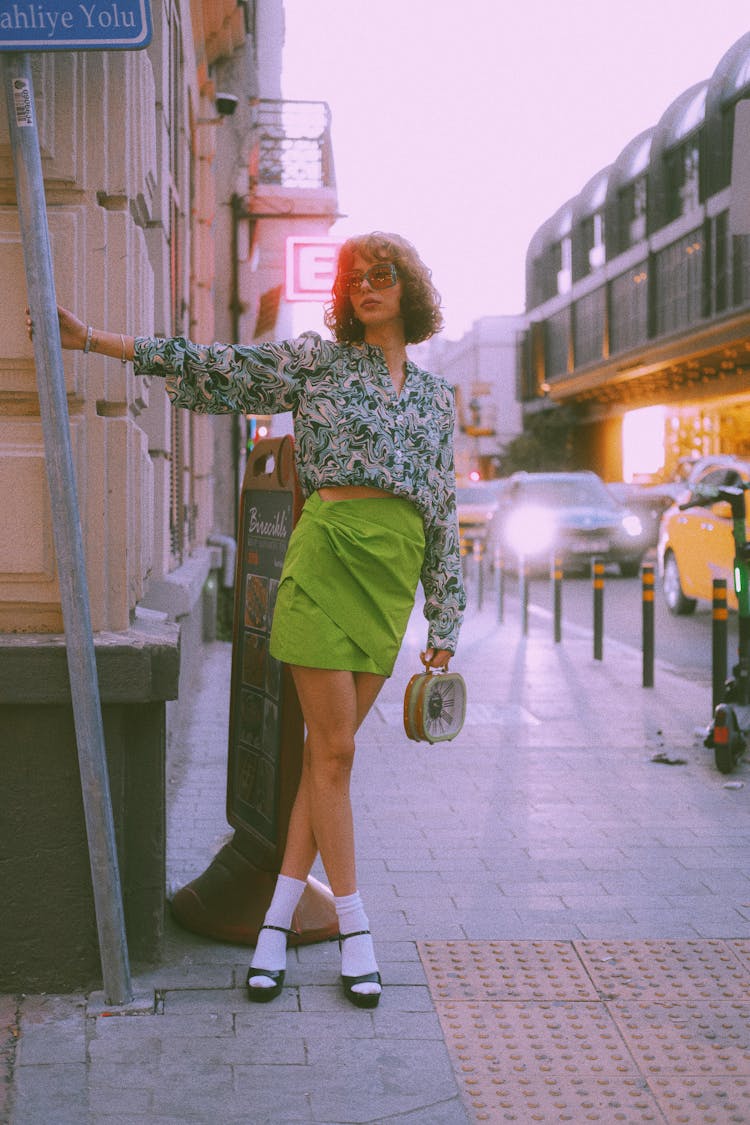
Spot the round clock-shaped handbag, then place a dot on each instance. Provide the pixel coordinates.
(434, 706)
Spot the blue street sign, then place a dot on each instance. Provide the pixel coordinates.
(74, 25)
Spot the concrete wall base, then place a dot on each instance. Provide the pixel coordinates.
(49, 938)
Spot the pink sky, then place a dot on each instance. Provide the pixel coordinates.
(463, 126)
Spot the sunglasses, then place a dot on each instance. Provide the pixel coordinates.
(381, 276)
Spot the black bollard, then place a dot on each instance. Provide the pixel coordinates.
(647, 596)
(478, 552)
(500, 568)
(523, 581)
(597, 571)
(719, 641)
(557, 574)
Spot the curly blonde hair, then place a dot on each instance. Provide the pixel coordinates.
(420, 300)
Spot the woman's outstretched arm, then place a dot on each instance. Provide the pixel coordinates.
(74, 334)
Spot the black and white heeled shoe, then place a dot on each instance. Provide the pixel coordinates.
(360, 999)
(262, 994)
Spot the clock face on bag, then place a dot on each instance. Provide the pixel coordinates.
(434, 706)
(441, 707)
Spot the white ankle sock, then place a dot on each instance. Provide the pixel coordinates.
(270, 950)
(357, 953)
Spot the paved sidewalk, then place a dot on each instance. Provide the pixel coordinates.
(562, 924)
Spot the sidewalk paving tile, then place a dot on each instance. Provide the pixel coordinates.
(562, 923)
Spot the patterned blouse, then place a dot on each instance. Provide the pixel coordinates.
(350, 427)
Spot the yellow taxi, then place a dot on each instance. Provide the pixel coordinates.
(696, 544)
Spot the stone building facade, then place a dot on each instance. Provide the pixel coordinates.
(151, 188)
(483, 367)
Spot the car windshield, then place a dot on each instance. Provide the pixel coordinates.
(566, 493)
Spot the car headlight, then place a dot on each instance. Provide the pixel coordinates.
(530, 530)
(632, 525)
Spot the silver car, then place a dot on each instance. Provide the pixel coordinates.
(571, 516)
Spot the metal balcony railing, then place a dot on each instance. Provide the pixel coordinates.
(292, 144)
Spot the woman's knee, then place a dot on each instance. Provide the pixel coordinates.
(330, 760)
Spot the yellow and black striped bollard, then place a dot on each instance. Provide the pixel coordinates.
(719, 640)
(557, 576)
(647, 597)
(597, 571)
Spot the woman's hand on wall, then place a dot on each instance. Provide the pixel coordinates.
(72, 330)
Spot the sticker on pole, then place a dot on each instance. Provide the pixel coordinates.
(75, 25)
(22, 102)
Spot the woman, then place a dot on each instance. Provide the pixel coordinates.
(374, 457)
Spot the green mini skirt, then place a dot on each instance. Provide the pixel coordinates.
(347, 587)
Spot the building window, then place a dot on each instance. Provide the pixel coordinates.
(741, 269)
(541, 290)
(565, 268)
(557, 343)
(683, 179)
(722, 170)
(632, 213)
(597, 252)
(679, 284)
(628, 318)
(690, 190)
(589, 317)
(589, 249)
(637, 225)
(720, 259)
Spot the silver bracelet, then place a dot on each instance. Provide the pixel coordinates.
(87, 345)
(123, 358)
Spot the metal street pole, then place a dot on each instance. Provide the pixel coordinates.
(79, 641)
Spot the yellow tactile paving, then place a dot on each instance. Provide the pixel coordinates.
(604, 1100)
(505, 970)
(701, 1101)
(661, 970)
(537, 1038)
(741, 948)
(631, 1031)
(701, 1038)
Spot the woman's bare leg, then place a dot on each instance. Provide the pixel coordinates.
(334, 704)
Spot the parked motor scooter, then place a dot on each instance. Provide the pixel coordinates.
(727, 734)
